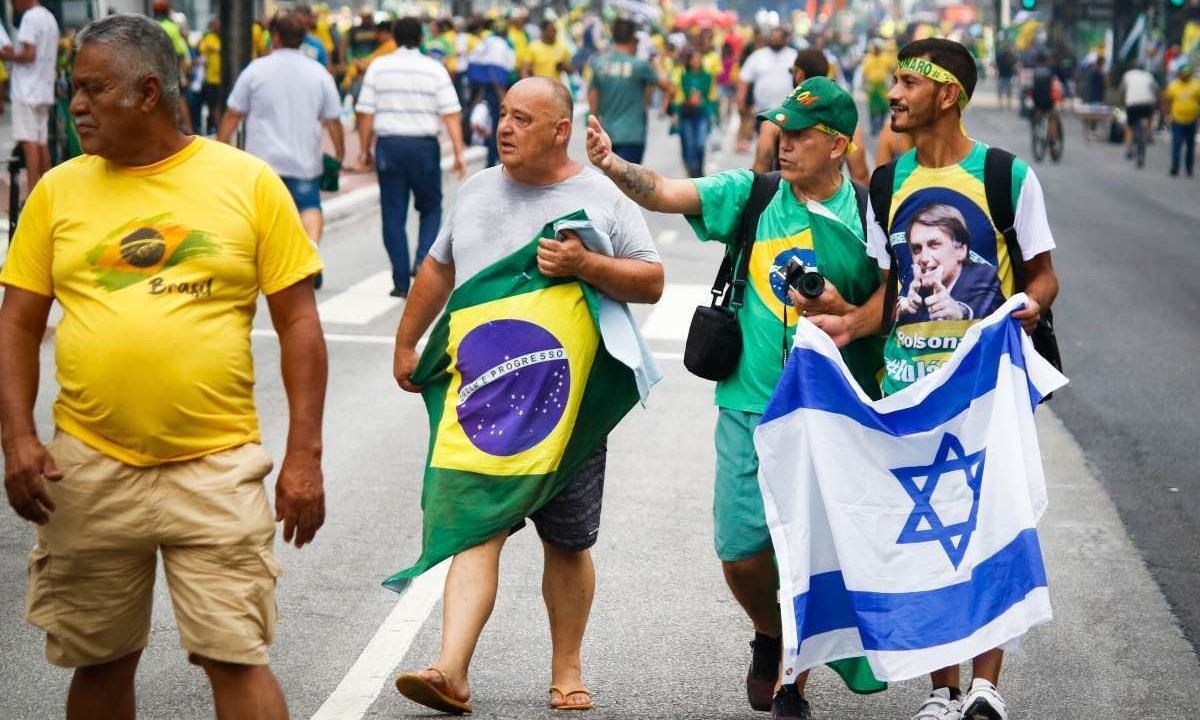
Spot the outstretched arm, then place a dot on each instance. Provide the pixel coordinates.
(644, 186)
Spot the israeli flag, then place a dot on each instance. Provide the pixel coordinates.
(905, 528)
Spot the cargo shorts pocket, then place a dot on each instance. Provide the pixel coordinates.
(41, 608)
(268, 609)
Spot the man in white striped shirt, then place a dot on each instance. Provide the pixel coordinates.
(404, 97)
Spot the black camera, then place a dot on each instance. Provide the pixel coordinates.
(809, 283)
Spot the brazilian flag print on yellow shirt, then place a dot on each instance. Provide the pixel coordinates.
(138, 250)
(520, 392)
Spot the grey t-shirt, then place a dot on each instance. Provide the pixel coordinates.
(494, 216)
(284, 97)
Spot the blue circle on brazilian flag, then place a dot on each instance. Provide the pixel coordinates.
(516, 381)
(778, 272)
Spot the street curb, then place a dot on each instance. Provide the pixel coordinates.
(351, 204)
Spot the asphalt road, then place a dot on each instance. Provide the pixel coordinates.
(1128, 260)
(666, 640)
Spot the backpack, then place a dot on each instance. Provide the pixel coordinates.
(997, 183)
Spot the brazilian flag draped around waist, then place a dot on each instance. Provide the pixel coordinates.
(520, 392)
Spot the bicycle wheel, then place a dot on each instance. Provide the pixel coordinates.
(1039, 139)
(1139, 141)
(1057, 142)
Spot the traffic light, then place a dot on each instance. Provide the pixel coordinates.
(1032, 4)
(1177, 3)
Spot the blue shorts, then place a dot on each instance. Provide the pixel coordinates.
(305, 193)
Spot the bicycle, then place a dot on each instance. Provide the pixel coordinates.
(1047, 134)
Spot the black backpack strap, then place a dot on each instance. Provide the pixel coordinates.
(997, 183)
(862, 197)
(761, 192)
(882, 188)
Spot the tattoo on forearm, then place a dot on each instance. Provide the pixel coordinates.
(638, 181)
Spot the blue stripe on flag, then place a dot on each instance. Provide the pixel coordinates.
(915, 620)
(814, 381)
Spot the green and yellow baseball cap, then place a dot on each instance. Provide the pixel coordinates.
(818, 102)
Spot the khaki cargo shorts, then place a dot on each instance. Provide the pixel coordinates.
(91, 575)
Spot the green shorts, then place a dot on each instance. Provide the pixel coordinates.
(739, 520)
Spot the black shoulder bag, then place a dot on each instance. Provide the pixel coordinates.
(714, 341)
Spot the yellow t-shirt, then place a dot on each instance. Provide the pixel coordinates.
(210, 50)
(158, 271)
(544, 59)
(519, 42)
(1185, 100)
(876, 69)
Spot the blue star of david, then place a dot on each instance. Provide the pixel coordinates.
(924, 524)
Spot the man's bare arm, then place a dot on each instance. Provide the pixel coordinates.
(644, 186)
(337, 136)
(429, 293)
(26, 462)
(229, 125)
(299, 491)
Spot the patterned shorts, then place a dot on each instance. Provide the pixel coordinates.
(571, 521)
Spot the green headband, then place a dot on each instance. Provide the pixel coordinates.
(936, 73)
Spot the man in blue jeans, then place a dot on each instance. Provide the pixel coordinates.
(405, 96)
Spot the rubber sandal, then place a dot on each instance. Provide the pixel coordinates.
(585, 705)
(424, 691)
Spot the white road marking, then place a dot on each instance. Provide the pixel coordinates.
(666, 237)
(362, 302)
(672, 315)
(361, 686)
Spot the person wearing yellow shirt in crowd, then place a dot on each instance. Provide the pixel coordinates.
(1182, 102)
(517, 38)
(547, 56)
(210, 92)
(710, 57)
(877, 69)
(158, 448)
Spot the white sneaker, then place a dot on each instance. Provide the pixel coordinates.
(983, 702)
(940, 706)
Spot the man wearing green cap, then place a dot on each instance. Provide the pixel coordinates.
(949, 180)
(812, 217)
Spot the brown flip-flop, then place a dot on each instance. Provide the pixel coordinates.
(424, 691)
(585, 705)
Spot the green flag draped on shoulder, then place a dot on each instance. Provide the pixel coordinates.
(520, 391)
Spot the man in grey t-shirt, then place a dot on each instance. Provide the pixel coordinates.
(285, 99)
(498, 211)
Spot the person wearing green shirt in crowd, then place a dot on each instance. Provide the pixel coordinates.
(814, 218)
(695, 107)
(620, 91)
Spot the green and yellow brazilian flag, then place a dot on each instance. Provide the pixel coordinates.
(520, 391)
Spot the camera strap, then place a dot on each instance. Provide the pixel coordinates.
(729, 289)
